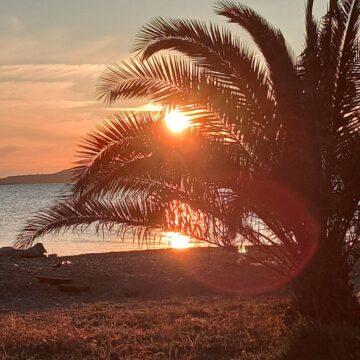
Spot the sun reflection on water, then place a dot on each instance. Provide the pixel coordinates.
(178, 241)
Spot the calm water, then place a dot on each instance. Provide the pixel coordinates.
(19, 202)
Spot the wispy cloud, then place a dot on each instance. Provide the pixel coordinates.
(48, 71)
(45, 110)
(6, 150)
(55, 46)
(49, 82)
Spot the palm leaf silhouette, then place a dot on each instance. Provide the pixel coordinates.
(271, 156)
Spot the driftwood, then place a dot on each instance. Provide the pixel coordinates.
(54, 280)
(35, 251)
(74, 289)
(64, 285)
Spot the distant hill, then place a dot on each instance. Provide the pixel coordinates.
(63, 177)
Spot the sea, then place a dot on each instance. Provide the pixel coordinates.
(18, 203)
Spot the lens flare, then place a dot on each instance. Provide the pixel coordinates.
(177, 121)
(252, 270)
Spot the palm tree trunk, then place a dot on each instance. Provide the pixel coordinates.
(323, 291)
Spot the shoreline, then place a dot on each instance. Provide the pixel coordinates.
(116, 277)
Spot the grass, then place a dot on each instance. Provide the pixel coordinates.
(322, 342)
(177, 328)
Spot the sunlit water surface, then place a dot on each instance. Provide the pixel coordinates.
(19, 202)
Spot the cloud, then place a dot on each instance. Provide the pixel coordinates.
(56, 46)
(6, 150)
(48, 72)
(49, 82)
(45, 110)
(53, 85)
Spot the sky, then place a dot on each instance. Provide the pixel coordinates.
(53, 52)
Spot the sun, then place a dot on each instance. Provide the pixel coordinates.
(177, 121)
(178, 241)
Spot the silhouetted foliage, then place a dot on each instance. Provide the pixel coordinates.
(271, 158)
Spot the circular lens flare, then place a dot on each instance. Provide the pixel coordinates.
(178, 241)
(255, 274)
(176, 121)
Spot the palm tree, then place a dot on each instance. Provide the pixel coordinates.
(271, 157)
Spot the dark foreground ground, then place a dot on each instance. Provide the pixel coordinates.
(165, 304)
(114, 277)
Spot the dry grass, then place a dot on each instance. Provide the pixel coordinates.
(195, 328)
(177, 328)
(126, 314)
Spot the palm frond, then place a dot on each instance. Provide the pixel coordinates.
(188, 86)
(169, 80)
(272, 45)
(331, 34)
(309, 70)
(165, 168)
(348, 83)
(156, 79)
(135, 218)
(212, 48)
(224, 57)
(130, 214)
(113, 141)
(308, 64)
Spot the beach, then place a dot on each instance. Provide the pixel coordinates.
(156, 304)
(119, 276)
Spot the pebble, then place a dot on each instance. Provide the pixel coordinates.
(114, 356)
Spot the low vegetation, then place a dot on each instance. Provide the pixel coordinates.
(176, 328)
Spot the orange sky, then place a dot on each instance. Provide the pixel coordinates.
(52, 53)
(48, 110)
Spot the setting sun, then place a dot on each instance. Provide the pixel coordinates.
(176, 121)
(178, 241)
